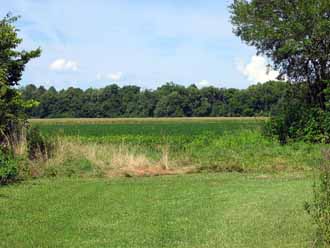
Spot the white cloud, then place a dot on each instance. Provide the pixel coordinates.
(64, 65)
(114, 76)
(257, 70)
(203, 83)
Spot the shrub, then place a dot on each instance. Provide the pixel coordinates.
(8, 168)
(38, 146)
(294, 118)
(306, 124)
(319, 209)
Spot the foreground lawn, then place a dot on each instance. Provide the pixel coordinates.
(205, 210)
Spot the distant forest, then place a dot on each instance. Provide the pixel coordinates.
(169, 100)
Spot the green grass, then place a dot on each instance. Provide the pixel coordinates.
(147, 127)
(202, 210)
(262, 208)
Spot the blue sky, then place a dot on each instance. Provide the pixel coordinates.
(143, 42)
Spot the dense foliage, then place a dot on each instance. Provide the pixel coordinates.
(12, 64)
(169, 100)
(12, 106)
(38, 147)
(296, 37)
(8, 168)
(293, 118)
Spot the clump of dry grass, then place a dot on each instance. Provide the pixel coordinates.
(109, 160)
(16, 141)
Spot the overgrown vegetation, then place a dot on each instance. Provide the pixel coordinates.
(39, 147)
(8, 168)
(12, 106)
(293, 119)
(169, 146)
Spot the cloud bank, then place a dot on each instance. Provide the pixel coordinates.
(64, 65)
(257, 70)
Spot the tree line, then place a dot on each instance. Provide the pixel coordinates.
(169, 100)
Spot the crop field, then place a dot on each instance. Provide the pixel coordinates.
(154, 127)
(210, 182)
(220, 144)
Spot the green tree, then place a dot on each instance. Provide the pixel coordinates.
(12, 64)
(295, 36)
(129, 98)
(146, 103)
(171, 105)
(111, 101)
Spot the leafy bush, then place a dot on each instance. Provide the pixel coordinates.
(8, 168)
(305, 124)
(294, 118)
(319, 209)
(38, 146)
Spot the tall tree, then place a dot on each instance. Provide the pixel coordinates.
(12, 64)
(294, 34)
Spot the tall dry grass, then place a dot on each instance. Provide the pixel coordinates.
(107, 160)
(16, 142)
(69, 157)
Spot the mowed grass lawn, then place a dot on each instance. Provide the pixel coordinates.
(198, 210)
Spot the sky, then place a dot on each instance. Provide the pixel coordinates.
(142, 42)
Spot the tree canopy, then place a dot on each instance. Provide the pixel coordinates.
(169, 100)
(294, 34)
(12, 64)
